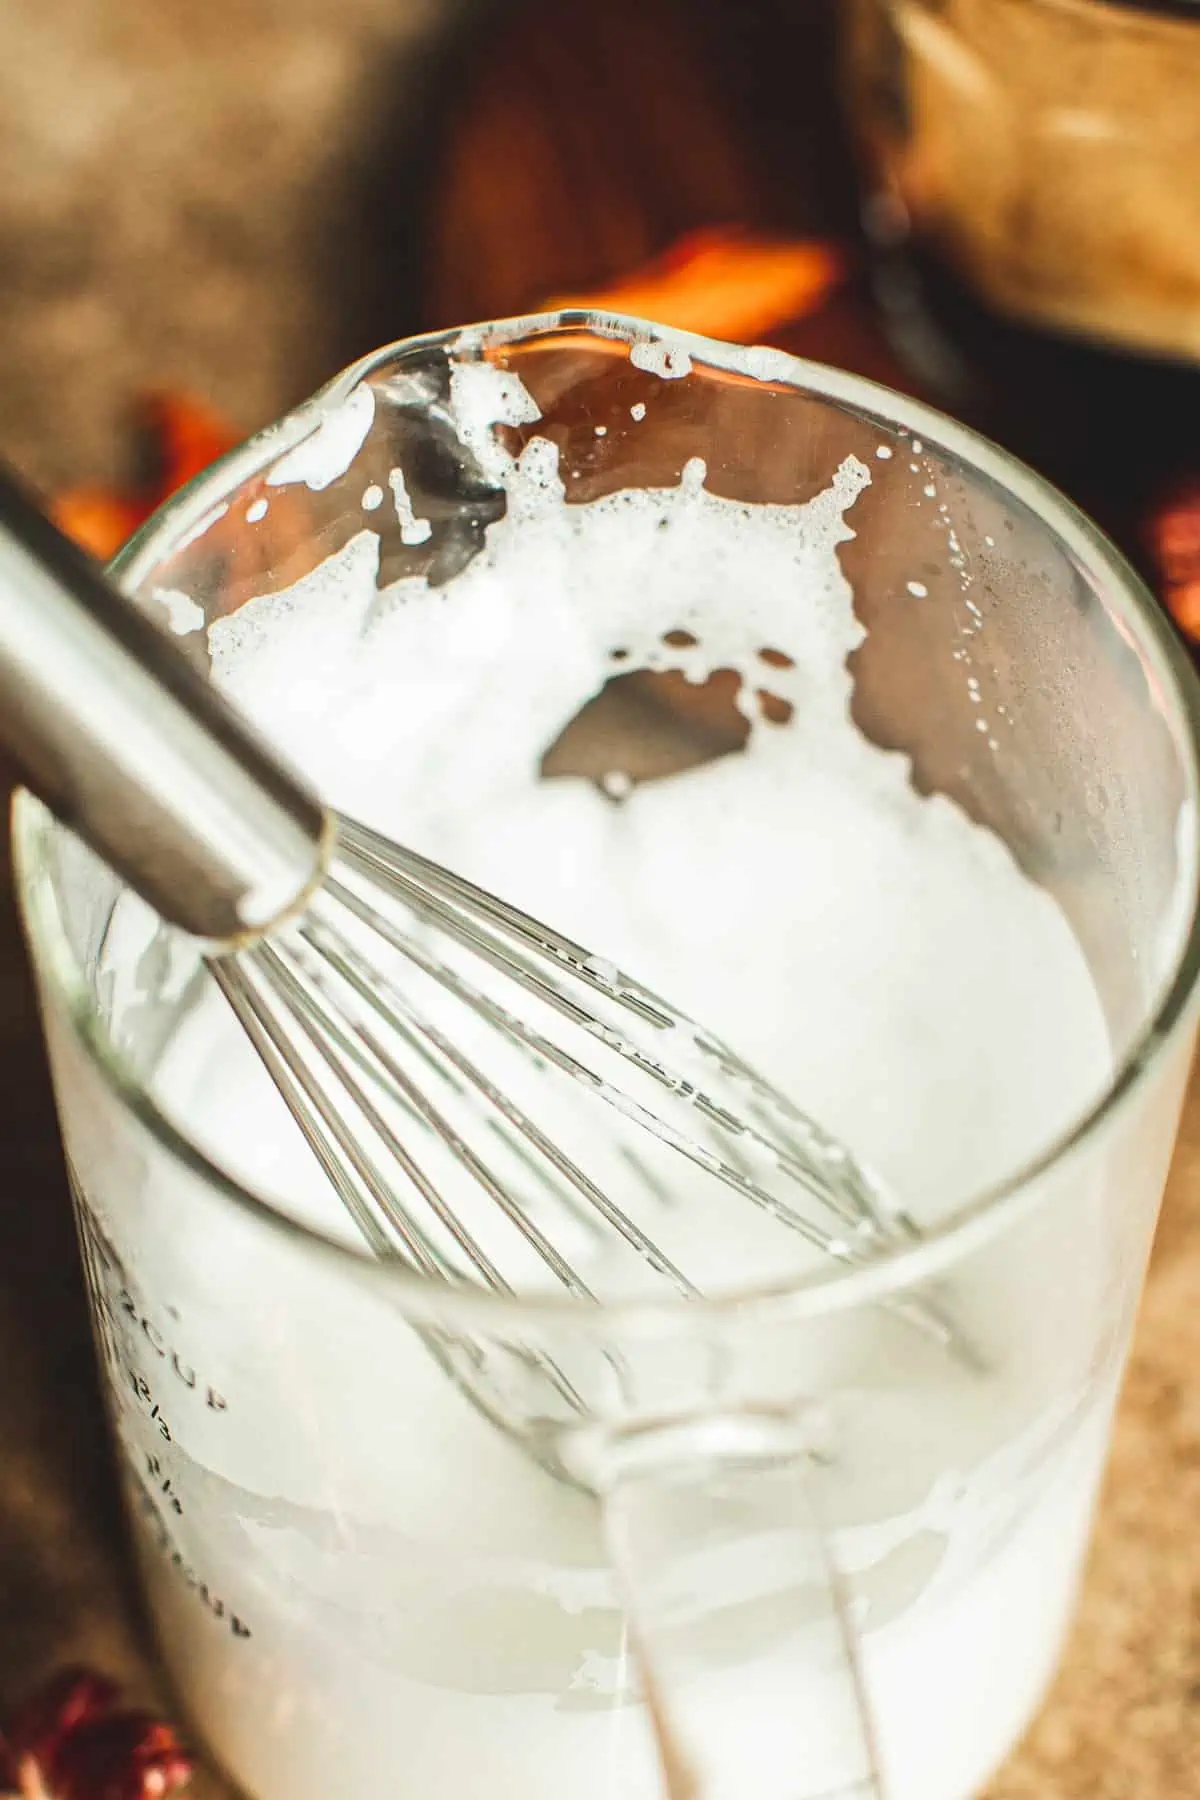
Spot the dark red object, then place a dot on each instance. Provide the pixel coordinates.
(72, 1740)
(10, 1777)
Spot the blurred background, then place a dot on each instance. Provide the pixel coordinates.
(207, 209)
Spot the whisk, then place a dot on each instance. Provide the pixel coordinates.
(491, 1102)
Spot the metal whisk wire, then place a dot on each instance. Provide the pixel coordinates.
(344, 1039)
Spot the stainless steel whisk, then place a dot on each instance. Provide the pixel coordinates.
(413, 1023)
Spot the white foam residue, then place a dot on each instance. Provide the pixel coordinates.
(307, 644)
(483, 396)
(256, 510)
(412, 529)
(340, 434)
(658, 356)
(183, 613)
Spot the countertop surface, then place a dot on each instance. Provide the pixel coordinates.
(223, 219)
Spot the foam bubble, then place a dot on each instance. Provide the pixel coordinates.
(339, 435)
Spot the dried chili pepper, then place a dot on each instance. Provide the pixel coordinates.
(73, 1740)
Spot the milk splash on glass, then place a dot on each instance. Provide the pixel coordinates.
(450, 1624)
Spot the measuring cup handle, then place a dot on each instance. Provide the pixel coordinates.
(738, 1618)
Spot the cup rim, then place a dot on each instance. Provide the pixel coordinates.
(833, 1286)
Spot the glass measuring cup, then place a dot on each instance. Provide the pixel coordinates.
(837, 1545)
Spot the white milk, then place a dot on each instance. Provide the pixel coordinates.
(429, 1613)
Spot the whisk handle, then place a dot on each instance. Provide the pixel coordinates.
(126, 742)
(738, 1618)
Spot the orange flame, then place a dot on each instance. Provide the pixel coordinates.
(725, 283)
(182, 436)
(1175, 543)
